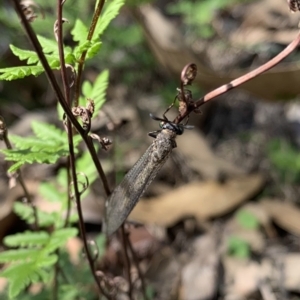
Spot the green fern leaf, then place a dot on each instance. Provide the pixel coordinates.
(19, 277)
(59, 238)
(79, 32)
(93, 49)
(81, 48)
(45, 219)
(23, 156)
(14, 73)
(97, 91)
(27, 239)
(18, 255)
(111, 11)
(47, 260)
(50, 192)
(33, 143)
(68, 292)
(47, 147)
(48, 45)
(28, 55)
(46, 131)
(87, 89)
(16, 166)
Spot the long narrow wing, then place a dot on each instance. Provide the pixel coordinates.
(136, 181)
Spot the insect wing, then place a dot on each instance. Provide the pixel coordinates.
(128, 192)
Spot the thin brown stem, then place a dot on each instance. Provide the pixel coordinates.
(66, 93)
(126, 260)
(95, 19)
(136, 262)
(51, 78)
(71, 150)
(19, 175)
(241, 80)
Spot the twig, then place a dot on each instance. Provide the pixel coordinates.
(71, 150)
(126, 260)
(241, 80)
(37, 47)
(67, 99)
(6, 140)
(83, 55)
(136, 262)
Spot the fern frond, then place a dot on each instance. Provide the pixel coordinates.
(46, 259)
(32, 262)
(21, 275)
(93, 49)
(45, 219)
(59, 238)
(49, 144)
(28, 55)
(14, 73)
(46, 131)
(111, 11)
(79, 32)
(48, 45)
(97, 91)
(27, 239)
(81, 48)
(18, 255)
(23, 156)
(50, 192)
(33, 143)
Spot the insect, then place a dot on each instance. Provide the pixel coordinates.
(126, 195)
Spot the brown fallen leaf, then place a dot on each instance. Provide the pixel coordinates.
(164, 273)
(202, 159)
(284, 214)
(167, 45)
(200, 276)
(267, 21)
(291, 271)
(242, 277)
(202, 200)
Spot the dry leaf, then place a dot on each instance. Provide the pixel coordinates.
(200, 276)
(284, 214)
(202, 200)
(201, 158)
(242, 277)
(167, 44)
(291, 271)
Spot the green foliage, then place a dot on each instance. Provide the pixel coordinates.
(110, 12)
(50, 47)
(34, 254)
(47, 146)
(31, 262)
(26, 213)
(198, 15)
(286, 160)
(247, 219)
(238, 247)
(33, 65)
(95, 91)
